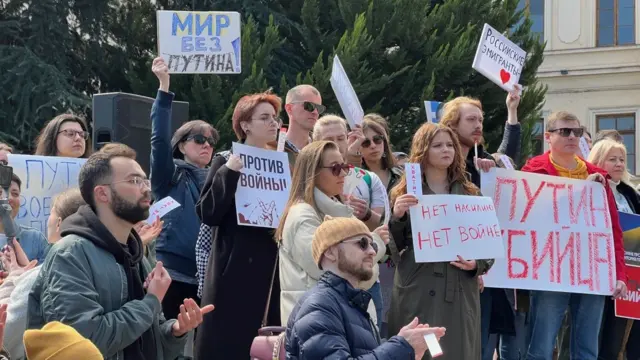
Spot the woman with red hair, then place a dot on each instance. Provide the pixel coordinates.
(239, 270)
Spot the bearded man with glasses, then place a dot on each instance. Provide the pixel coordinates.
(548, 308)
(330, 320)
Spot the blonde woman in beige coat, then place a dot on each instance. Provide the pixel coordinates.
(316, 189)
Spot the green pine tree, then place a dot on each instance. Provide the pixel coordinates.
(398, 53)
(37, 63)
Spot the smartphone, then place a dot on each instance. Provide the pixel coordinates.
(6, 173)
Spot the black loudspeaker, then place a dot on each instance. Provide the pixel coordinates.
(126, 118)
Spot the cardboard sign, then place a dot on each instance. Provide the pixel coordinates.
(557, 233)
(162, 208)
(43, 177)
(200, 42)
(506, 162)
(584, 148)
(432, 109)
(282, 139)
(499, 59)
(263, 188)
(445, 226)
(345, 94)
(414, 178)
(629, 306)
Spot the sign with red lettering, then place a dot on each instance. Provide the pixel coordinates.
(263, 188)
(161, 208)
(629, 306)
(557, 233)
(414, 178)
(445, 226)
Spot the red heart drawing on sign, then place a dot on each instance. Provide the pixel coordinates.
(504, 76)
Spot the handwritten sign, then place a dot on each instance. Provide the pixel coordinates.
(433, 110)
(506, 162)
(200, 42)
(282, 139)
(629, 306)
(557, 233)
(445, 226)
(353, 179)
(499, 59)
(43, 177)
(263, 189)
(162, 208)
(345, 94)
(584, 148)
(414, 178)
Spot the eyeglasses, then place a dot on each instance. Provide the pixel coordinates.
(565, 132)
(377, 139)
(267, 120)
(310, 106)
(337, 169)
(364, 243)
(72, 133)
(138, 181)
(201, 139)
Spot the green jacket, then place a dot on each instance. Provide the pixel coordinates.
(83, 286)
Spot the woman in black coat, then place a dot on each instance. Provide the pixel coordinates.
(242, 258)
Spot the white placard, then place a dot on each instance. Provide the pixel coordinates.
(557, 233)
(506, 162)
(43, 177)
(263, 188)
(584, 148)
(345, 94)
(200, 42)
(499, 59)
(352, 180)
(433, 345)
(445, 226)
(414, 178)
(162, 208)
(282, 139)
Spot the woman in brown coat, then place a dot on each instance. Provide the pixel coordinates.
(441, 293)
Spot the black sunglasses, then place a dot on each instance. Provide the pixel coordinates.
(377, 139)
(565, 132)
(201, 139)
(337, 169)
(310, 106)
(364, 243)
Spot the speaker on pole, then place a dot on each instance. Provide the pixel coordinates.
(126, 118)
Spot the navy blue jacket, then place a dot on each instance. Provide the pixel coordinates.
(176, 244)
(331, 322)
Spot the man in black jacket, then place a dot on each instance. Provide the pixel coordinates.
(331, 320)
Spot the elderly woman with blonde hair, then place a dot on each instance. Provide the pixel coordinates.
(621, 335)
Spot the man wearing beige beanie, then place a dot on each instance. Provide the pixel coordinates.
(331, 319)
(59, 341)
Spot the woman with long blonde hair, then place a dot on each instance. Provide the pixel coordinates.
(619, 335)
(443, 293)
(316, 190)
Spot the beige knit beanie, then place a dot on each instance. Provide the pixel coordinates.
(333, 231)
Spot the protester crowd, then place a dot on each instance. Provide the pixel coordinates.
(103, 283)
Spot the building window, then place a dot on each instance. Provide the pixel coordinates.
(538, 137)
(616, 22)
(534, 9)
(626, 126)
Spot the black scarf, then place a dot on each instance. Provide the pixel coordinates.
(85, 223)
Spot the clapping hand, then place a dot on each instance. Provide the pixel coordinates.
(190, 317)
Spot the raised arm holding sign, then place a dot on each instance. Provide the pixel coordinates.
(200, 42)
(499, 59)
